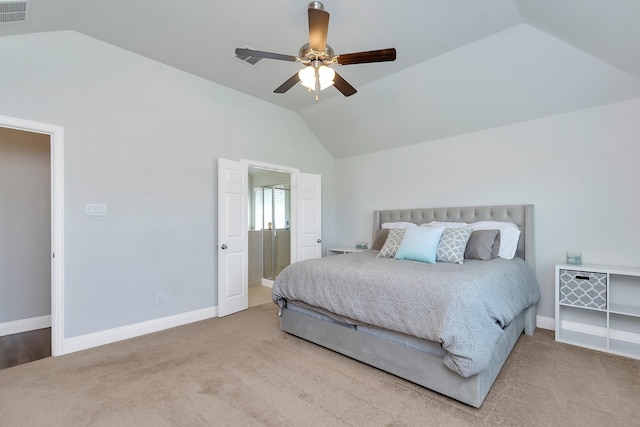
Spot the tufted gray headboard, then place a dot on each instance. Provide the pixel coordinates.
(521, 215)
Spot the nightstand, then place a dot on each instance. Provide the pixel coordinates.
(340, 251)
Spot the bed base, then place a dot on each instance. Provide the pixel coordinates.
(419, 367)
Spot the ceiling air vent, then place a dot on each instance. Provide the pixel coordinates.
(13, 11)
(249, 60)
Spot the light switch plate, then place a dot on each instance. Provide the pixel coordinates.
(95, 209)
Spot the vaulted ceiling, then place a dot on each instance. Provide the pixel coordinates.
(462, 66)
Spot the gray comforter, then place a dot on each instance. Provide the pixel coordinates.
(463, 307)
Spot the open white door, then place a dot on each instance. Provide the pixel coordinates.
(233, 282)
(308, 227)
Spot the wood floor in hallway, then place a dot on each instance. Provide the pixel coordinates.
(24, 347)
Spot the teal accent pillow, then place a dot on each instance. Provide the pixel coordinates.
(420, 244)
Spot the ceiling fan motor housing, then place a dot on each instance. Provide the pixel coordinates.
(309, 54)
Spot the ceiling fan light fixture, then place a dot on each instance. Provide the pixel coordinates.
(308, 77)
(326, 76)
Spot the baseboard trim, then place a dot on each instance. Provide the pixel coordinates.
(109, 336)
(546, 323)
(25, 325)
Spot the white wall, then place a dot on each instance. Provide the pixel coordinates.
(579, 169)
(25, 225)
(144, 139)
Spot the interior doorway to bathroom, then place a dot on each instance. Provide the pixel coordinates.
(269, 230)
(233, 226)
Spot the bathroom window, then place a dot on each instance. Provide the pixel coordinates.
(270, 208)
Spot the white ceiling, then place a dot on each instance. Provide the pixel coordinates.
(463, 65)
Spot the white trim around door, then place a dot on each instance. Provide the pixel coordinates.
(56, 134)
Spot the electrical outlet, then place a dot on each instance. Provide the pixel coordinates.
(160, 297)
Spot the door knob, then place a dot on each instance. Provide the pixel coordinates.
(223, 246)
(319, 240)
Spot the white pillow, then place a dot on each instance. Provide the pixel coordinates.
(509, 235)
(398, 225)
(444, 224)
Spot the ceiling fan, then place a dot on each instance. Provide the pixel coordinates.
(318, 56)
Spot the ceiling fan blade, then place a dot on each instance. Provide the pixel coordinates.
(318, 28)
(288, 84)
(343, 86)
(260, 54)
(381, 55)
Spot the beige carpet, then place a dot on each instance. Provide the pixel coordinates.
(241, 370)
(259, 295)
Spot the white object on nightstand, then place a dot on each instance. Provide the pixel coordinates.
(340, 251)
(598, 307)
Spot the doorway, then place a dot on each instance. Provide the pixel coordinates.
(233, 227)
(269, 234)
(55, 252)
(25, 239)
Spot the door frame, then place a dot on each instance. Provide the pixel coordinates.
(56, 142)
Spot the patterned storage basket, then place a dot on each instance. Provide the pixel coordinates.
(583, 289)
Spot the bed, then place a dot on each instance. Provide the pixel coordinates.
(460, 361)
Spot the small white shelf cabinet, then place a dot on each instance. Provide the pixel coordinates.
(598, 307)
